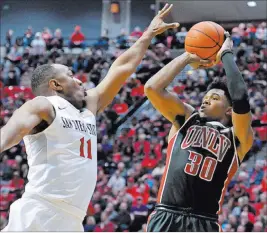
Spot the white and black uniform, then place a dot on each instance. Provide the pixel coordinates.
(62, 173)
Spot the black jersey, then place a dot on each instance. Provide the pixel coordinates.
(201, 160)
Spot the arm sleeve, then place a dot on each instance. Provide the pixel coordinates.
(236, 85)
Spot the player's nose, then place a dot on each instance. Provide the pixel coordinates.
(206, 102)
(78, 81)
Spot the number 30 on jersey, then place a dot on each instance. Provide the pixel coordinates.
(207, 169)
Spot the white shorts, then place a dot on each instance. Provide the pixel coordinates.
(31, 214)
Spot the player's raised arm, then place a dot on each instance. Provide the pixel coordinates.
(241, 115)
(24, 120)
(167, 103)
(126, 64)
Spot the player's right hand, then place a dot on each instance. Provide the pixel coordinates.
(157, 25)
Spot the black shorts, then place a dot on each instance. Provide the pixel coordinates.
(167, 219)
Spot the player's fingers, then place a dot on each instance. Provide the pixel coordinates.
(172, 25)
(227, 34)
(205, 62)
(166, 11)
(163, 9)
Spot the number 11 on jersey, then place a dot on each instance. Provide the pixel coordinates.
(89, 155)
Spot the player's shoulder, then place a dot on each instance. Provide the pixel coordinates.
(40, 105)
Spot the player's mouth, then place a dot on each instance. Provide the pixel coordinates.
(202, 108)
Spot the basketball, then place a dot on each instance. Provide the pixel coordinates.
(205, 39)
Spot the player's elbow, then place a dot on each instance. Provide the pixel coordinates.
(149, 87)
(149, 90)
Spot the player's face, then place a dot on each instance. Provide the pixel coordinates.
(214, 105)
(73, 91)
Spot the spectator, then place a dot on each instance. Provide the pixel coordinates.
(258, 227)
(105, 225)
(241, 228)
(244, 220)
(97, 212)
(12, 79)
(139, 213)
(103, 41)
(17, 183)
(46, 35)
(256, 174)
(15, 54)
(116, 182)
(236, 37)
(8, 44)
(149, 162)
(57, 41)
(124, 219)
(28, 37)
(112, 214)
(137, 33)
(38, 45)
(89, 224)
(261, 32)
(180, 37)
(122, 40)
(77, 39)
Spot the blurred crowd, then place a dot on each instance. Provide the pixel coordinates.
(130, 165)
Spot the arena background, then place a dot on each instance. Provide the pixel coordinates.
(131, 134)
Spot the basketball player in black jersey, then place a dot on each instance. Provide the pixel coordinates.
(205, 147)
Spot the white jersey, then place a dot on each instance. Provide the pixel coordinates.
(63, 158)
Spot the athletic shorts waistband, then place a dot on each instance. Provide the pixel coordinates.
(187, 211)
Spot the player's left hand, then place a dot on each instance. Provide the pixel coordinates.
(157, 25)
(227, 45)
(196, 62)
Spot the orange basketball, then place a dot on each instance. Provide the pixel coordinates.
(205, 39)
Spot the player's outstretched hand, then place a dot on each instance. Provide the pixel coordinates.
(227, 45)
(157, 25)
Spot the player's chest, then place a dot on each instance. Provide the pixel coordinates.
(208, 139)
(74, 124)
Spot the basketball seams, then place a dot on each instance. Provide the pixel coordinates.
(213, 53)
(203, 39)
(205, 35)
(201, 46)
(216, 31)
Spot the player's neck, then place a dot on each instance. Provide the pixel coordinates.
(224, 122)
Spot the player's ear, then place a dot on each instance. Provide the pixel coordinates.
(55, 85)
(228, 112)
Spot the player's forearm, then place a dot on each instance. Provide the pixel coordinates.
(236, 85)
(120, 70)
(166, 75)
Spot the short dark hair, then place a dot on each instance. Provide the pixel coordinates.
(41, 74)
(222, 85)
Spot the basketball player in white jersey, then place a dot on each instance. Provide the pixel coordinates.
(59, 131)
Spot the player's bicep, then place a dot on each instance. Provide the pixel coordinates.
(243, 131)
(24, 120)
(168, 104)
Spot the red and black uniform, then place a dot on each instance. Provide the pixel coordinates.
(201, 160)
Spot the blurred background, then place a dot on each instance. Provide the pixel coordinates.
(88, 36)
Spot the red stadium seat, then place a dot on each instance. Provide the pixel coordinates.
(138, 91)
(120, 108)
